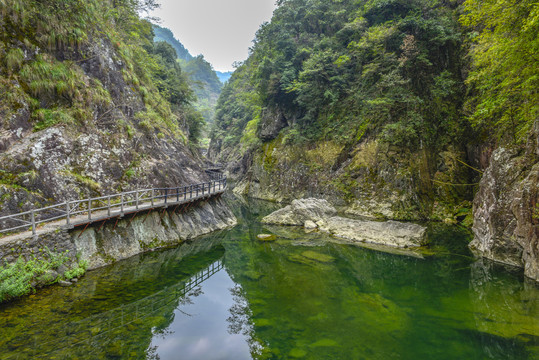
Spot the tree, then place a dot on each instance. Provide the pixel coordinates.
(504, 78)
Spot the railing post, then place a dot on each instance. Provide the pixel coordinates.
(33, 222)
(197, 189)
(108, 205)
(68, 211)
(122, 203)
(136, 199)
(190, 191)
(177, 194)
(166, 195)
(153, 195)
(90, 209)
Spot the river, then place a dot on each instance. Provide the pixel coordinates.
(304, 296)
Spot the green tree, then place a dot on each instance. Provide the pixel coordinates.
(504, 78)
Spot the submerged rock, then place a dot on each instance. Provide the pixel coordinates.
(64, 283)
(297, 353)
(266, 237)
(301, 211)
(316, 256)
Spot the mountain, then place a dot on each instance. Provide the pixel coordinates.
(164, 34)
(204, 79)
(395, 109)
(206, 85)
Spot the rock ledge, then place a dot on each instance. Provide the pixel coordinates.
(320, 212)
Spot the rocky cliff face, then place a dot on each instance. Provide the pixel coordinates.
(506, 208)
(371, 179)
(82, 117)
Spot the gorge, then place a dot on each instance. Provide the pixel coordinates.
(382, 170)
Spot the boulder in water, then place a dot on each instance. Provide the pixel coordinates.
(300, 211)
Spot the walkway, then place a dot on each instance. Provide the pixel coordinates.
(85, 212)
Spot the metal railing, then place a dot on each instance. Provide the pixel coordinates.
(109, 205)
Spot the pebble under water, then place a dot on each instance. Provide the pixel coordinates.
(302, 296)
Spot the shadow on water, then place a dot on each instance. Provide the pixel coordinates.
(304, 295)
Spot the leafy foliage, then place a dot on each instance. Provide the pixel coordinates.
(347, 69)
(504, 78)
(45, 48)
(21, 277)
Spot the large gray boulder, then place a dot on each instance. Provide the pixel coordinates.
(300, 211)
(389, 233)
(304, 212)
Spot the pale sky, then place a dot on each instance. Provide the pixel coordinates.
(221, 30)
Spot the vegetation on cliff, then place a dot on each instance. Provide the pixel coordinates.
(386, 100)
(342, 70)
(503, 82)
(89, 103)
(43, 45)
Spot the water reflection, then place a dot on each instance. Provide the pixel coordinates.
(504, 307)
(199, 329)
(111, 313)
(230, 296)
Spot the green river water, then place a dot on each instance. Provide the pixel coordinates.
(304, 296)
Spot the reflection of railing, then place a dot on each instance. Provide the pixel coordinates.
(96, 209)
(95, 326)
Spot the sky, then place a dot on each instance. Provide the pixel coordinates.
(221, 30)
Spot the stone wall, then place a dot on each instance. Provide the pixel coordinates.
(103, 245)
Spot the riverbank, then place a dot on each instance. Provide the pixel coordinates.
(109, 242)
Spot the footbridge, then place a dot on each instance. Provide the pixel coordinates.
(82, 213)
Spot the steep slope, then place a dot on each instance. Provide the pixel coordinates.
(395, 109)
(206, 85)
(164, 34)
(504, 105)
(506, 207)
(357, 102)
(88, 104)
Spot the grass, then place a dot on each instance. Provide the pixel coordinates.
(84, 180)
(23, 276)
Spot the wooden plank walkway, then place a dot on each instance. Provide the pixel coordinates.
(82, 213)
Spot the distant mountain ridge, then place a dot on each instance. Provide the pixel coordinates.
(205, 81)
(164, 34)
